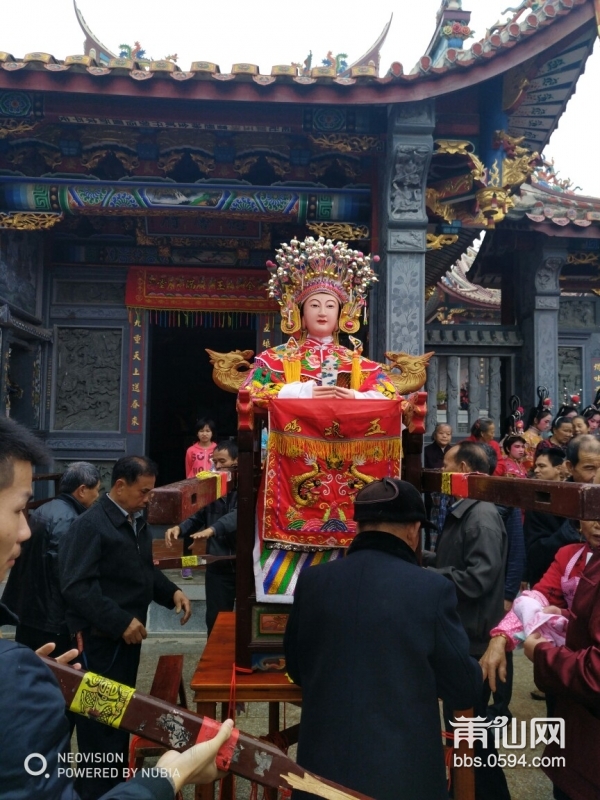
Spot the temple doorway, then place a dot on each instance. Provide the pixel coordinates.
(181, 389)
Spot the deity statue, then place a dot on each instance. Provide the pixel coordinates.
(321, 288)
(322, 445)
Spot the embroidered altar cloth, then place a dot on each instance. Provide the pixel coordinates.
(320, 454)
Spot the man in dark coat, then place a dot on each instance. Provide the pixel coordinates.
(32, 590)
(374, 640)
(217, 524)
(108, 580)
(471, 553)
(34, 732)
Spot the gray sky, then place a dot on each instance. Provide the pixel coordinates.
(273, 32)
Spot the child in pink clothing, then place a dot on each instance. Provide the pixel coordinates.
(545, 608)
(198, 456)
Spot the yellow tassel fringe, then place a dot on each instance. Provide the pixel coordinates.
(291, 369)
(356, 374)
(348, 449)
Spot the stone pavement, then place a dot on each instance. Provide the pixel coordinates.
(525, 783)
(166, 635)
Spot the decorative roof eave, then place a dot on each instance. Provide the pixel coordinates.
(457, 285)
(485, 60)
(556, 213)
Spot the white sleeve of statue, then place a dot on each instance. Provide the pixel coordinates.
(372, 394)
(296, 390)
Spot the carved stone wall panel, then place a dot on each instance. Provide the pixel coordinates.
(405, 324)
(88, 379)
(577, 314)
(36, 386)
(548, 274)
(401, 241)
(104, 466)
(102, 293)
(21, 259)
(407, 195)
(87, 312)
(570, 372)
(546, 302)
(546, 351)
(87, 444)
(413, 116)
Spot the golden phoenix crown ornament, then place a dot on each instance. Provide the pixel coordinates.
(319, 265)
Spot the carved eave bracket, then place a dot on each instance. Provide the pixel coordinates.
(339, 231)
(493, 185)
(14, 127)
(24, 329)
(28, 221)
(346, 143)
(438, 242)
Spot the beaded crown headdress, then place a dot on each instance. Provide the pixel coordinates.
(319, 265)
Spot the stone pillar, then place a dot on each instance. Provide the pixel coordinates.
(474, 390)
(538, 316)
(494, 409)
(453, 392)
(432, 390)
(400, 324)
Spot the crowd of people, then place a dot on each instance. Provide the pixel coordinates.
(516, 573)
(375, 639)
(87, 568)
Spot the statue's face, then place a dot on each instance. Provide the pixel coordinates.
(320, 314)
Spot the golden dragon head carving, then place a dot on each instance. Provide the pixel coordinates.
(230, 369)
(413, 371)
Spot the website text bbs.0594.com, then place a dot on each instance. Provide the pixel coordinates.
(505, 760)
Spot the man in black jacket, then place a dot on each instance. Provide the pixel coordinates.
(471, 553)
(217, 523)
(546, 533)
(108, 580)
(32, 591)
(374, 640)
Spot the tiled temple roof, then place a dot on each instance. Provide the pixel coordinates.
(494, 45)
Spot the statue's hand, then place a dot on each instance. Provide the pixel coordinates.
(344, 394)
(322, 392)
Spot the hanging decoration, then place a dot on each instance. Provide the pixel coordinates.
(194, 297)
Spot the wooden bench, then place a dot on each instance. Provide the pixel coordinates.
(168, 686)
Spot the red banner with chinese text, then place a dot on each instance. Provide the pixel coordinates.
(211, 290)
(320, 453)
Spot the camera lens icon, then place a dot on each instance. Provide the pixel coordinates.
(32, 769)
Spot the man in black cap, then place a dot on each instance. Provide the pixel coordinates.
(374, 640)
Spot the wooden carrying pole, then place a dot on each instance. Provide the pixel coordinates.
(176, 728)
(565, 499)
(189, 562)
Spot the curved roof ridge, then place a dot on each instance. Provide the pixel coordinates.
(90, 39)
(373, 53)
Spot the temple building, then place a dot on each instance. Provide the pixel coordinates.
(140, 201)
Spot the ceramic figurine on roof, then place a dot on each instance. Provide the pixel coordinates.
(136, 52)
(546, 175)
(339, 61)
(321, 287)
